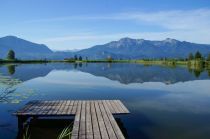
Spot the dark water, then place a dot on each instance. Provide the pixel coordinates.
(165, 103)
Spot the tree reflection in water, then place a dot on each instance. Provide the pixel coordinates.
(209, 73)
(11, 69)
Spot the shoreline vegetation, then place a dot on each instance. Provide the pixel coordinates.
(168, 62)
(194, 61)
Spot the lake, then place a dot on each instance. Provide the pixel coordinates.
(165, 102)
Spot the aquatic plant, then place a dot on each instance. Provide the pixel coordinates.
(66, 132)
(26, 134)
(5, 94)
(9, 92)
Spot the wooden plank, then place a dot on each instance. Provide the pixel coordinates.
(33, 110)
(42, 107)
(26, 107)
(53, 108)
(75, 131)
(110, 106)
(68, 102)
(64, 108)
(67, 108)
(88, 121)
(64, 111)
(118, 106)
(108, 125)
(82, 121)
(29, 110)
(113, 122)
(48, 108)
(61, 109)
(102, 127)
(70, 107)
(74, 109)
(96, 131)
(125, 110)
(57, 107)
(116, 110)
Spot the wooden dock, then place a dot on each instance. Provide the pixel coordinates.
(93, 118)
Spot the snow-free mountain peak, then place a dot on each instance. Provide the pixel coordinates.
(125, 48)
(23, 48)
(128, 48)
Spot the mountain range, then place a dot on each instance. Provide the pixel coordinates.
(125, 48)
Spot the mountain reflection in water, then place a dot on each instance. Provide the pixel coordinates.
(165, 102)
(124, 73)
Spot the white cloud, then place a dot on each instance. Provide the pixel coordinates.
(181, 35)
(172, 19)
(177, 19)
(81, 41)
(188, 25)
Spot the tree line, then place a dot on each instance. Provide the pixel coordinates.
(75, 58)
(198, 56)
(191, 56)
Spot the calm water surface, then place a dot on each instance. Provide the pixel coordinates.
(165, 103)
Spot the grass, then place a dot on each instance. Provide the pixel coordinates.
(168, 62)
(26, 134)
(66, 132)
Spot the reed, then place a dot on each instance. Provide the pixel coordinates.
(26, 134)
(66, 132)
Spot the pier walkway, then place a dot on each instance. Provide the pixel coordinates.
(93, 118)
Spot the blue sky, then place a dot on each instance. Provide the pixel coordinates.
(79, 24)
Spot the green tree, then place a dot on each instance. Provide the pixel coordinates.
(190, 57)
(198, 55)
(80, 58)
(75, 57)
(109, 59)
(11, 55)
(208, 58)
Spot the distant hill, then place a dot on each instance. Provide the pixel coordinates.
(23, 49)
(125, 48)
